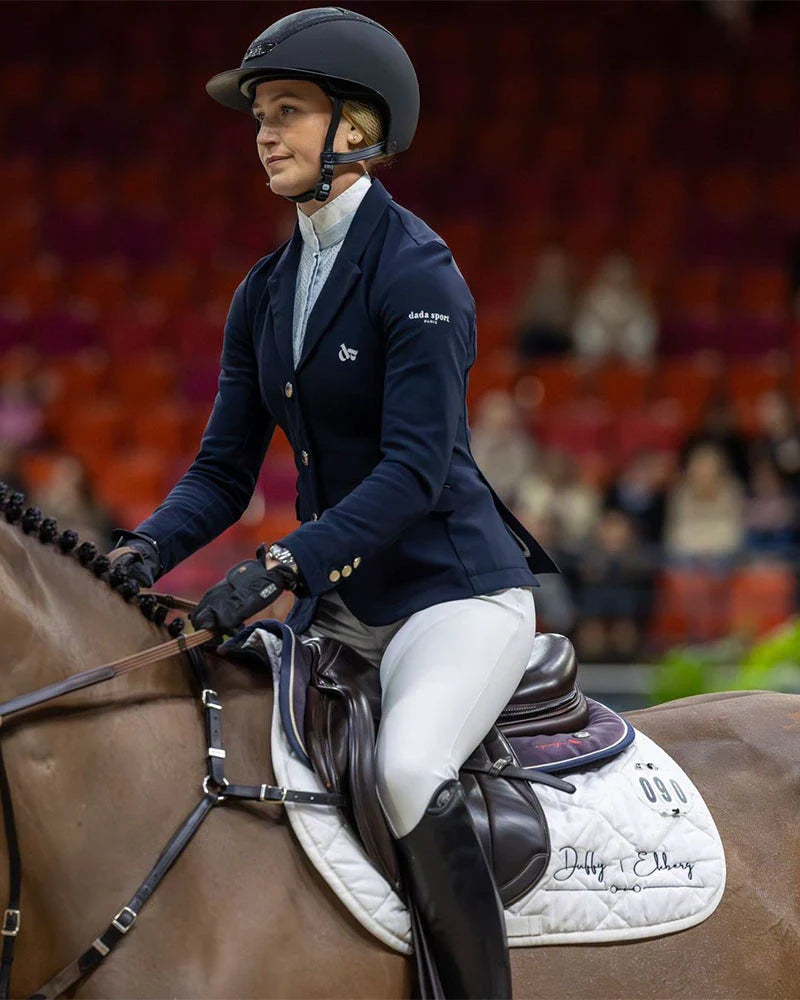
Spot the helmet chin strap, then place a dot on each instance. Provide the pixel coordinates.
(329, 159)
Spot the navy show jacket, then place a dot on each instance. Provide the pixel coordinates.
(394, 511)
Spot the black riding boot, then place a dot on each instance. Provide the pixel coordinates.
(456, 899)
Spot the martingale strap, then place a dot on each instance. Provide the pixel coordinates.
(216, 790)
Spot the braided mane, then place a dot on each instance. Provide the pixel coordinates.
(68, 542)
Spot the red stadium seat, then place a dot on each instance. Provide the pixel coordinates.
(707, 93)
(161, 426)
(578, 428)
(782, 195)
(700, 292)
(560, 380)
(662, 191)
(150, 380)
(730, 193)
(495, 370)
(622, 386)
(136, 477)
(762, 293)
(761, 598)
(746, 381)
(645, 93)
(142, 184)
(660, 427)
(172, 284)
(690, 605)
(93, 430)
(690, 381)
(101, 283)
(578, 96)
(22, 82)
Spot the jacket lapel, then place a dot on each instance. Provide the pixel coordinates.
(345, 270)
(281, 296)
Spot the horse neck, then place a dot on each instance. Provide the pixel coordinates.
(109, 772)
(57, 619)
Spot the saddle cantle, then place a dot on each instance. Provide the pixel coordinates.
(547, 699)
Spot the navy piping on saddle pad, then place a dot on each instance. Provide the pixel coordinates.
(294, 676)
(605, 735)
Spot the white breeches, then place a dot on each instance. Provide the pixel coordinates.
(446, 674)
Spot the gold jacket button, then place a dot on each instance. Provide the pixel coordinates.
(334, 576)
(356, 562)
(347, 570)
(304, 457)
(288, 390)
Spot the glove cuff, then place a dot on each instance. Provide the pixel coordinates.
(146, 546)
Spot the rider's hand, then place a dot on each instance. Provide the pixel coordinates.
(247, 588)
(138, 555)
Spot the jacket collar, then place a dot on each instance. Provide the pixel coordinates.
(329, 224)
(340, 281)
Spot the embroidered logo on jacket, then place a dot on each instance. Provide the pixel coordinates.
(347, 353)
(427, 317)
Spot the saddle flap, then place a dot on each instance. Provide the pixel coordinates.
(341, 728)
(509, 821)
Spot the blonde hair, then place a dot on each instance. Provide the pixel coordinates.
(368, 120)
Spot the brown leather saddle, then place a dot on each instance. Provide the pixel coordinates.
(342, 714)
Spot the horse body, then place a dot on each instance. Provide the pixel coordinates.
(102, 778)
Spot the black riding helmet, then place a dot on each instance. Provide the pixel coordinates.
(349, 56)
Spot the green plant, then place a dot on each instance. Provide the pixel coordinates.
(772, 664)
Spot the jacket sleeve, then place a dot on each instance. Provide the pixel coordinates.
(427, 317)
(215, 491)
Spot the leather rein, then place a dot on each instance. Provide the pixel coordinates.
(216, 789)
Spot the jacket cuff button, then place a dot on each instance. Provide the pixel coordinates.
(334, 576)
(347, 570)
(356, 562)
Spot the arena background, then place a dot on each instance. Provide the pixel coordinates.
(618, 182)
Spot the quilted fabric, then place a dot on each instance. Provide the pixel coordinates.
(635, 852)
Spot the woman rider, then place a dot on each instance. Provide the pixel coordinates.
(356, 338)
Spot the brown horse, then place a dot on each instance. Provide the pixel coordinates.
(102, 778)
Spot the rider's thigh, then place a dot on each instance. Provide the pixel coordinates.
(445, 677)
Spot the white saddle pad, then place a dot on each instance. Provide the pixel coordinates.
(635, 852)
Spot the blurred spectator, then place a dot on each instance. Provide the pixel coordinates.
(735, 15)
(10, 472)
(705, 511)
(779, 436)
(614, 577)
(641, 493)
(771, 516)
(547, 309)
(500, 445)
(719, 427)
(615, 318)
(556, 485)
(555, 607)
(21, 400)
(67, 496)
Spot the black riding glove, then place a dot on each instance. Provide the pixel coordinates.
(246, 589)
(138, 555)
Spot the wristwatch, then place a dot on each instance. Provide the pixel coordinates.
(284, 557)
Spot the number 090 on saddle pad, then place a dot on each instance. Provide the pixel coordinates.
(634, 852)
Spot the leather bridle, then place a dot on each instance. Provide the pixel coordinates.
(216, 789)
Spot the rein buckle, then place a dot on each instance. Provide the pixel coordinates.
(209, 699)
(121, 927)
(11, 922)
